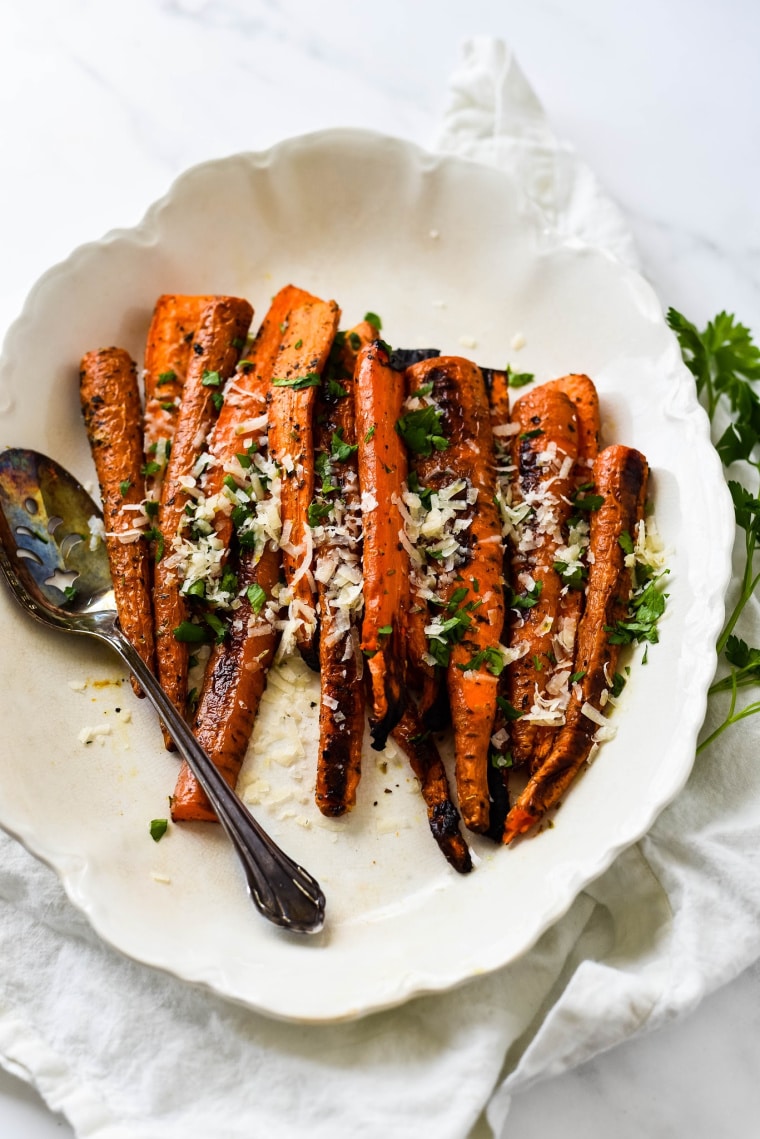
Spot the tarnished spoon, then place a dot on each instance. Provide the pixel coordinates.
(61, 576)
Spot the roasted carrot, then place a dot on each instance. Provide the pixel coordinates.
(582, 392)
(337, 521)
(306, 341)
(236, 674)
(244, 412)
(233, 684)
(427, 765)
(497, 386)
(469, 581)
(216, 350)
(543, 454)
(111, 408)
(167, 356)
(379, 397)
(620, 478)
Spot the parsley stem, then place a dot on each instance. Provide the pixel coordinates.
(748, 588)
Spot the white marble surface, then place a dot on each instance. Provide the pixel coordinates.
(103, 103)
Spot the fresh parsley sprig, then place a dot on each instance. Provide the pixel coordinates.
(725, 363)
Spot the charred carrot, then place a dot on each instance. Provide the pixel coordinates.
(337, 522)
(571, 560)
(216, 349)
(465, 634)
(379, 397)
(167, 356)
(242, 477)
(306, 341)
(112, 415)
(500, 763)
(620, 478)
(427, 765)
(244, 412)
(234, 682)
(544, 453)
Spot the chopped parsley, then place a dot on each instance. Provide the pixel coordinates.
(341, 450)
(526, 600)
(534, 434)
(336, 390)
(502, 759)
(492, 658)
(124, 487)
(165, 378)
(256, 596)
(317, 513)
(370, 433)
(298, 383)
(575, 578)
(625, 541)
(373, 319)
(158, 828)
(519, 379)
(509, 710)
(421, 431)
(189, 633)
(211, 380)
(155, 535)
(645, 609)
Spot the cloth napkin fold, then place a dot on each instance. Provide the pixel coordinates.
(129, 1053)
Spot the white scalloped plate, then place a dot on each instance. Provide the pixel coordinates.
(446, 253)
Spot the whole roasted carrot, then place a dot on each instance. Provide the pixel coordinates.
(236, 673)
(427, 765)
(216, 349)
(467, 630)
(620, 478)
(571, 560)
(112, 415)
(337, 521)
(306, 341)
(379, 397)
(167, 356)
(544, 454)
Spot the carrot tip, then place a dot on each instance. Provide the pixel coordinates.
(519, 821)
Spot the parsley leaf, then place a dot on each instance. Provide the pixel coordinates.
(421, 431)
(492, 658)
(526, 600)
(158, 828)
(519, 379)
(298, 383)
(257, 597)
(509, 710)
(317, 513)
(341, 451)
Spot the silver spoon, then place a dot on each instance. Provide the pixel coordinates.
(53, 570)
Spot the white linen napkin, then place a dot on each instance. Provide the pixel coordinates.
(129, 1053)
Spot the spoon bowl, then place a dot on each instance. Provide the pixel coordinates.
(53, 557)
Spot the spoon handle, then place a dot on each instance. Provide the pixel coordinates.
(281, 889)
